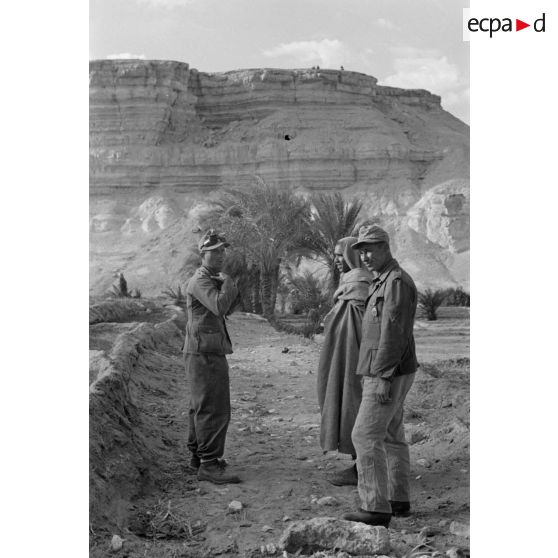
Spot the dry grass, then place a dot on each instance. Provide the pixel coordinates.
(165, 521)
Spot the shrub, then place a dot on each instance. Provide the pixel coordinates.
(429, 301)
(120, 290)
(123, 285)
(177, 296)
(308, 293)
(457, 297)
(310, 296)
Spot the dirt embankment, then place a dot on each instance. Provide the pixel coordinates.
(143, 490)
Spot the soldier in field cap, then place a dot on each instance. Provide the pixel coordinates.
(210, 296)
(387, 363)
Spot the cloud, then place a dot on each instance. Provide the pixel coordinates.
(386, 24)
(429, 69)
(434, 74)
(124, 55)
(326, 53)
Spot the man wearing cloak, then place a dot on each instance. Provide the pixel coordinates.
(339, 388)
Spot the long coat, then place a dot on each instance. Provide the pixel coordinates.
(339, 389)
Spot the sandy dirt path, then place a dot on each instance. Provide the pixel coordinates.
(273, 443)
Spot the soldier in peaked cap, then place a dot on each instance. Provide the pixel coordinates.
(387, 362)
(210, 296)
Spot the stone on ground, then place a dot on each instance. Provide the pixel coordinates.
(459, 529)
(328, 533)
(235, 506)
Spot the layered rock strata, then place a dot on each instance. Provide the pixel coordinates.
(164, 136)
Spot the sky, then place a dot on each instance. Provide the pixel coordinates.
(403, 43)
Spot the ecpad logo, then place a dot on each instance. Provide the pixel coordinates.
(493, 25)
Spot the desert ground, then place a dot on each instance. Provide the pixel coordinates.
(143, 491)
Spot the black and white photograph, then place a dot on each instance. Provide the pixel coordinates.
(274, 214)
(279, 354)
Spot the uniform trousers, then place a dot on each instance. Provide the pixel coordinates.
(383, 463)
(210, 404)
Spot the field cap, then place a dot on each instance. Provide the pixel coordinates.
(212, 240)
(370, 234)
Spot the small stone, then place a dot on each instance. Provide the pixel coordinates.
(459, 529)
(327, 501)
(116, 543)
(271, 411)
(426, 533)
(443, 522)
(285, 350)
(245, 524)
(423, 462)
(455, 552)
(418, 477)
(293, 363)
(267, 528)
(286, 518)
(271, 548)
(235, 506)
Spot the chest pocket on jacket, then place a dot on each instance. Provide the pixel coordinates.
(376, 309)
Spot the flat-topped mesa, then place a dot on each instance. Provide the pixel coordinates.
(166, 137)
(143, 102)
(149, 102)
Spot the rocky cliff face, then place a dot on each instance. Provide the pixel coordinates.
(165, 137)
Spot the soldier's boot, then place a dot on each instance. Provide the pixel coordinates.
(345, 477)
(215, 472)
(195, 462)
(402, 509)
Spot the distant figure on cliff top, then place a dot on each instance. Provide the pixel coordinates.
(210, 295)
(342, 68)
(339, 388)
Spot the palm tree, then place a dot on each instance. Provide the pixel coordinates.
(331, 219)
(267, 225)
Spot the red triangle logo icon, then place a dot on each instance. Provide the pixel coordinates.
(519, 25)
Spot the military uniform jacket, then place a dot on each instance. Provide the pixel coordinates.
(388, 347)
(207, 302)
